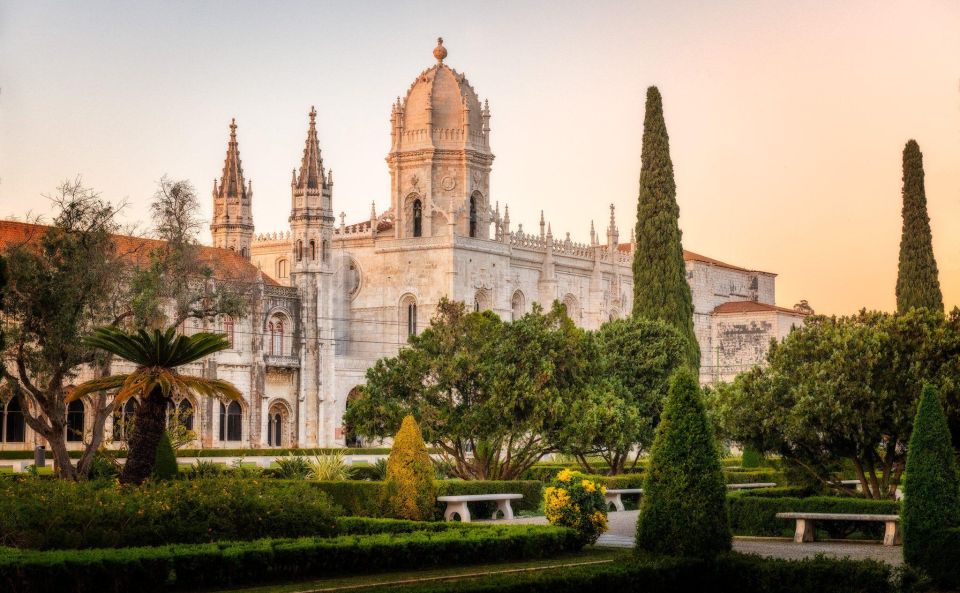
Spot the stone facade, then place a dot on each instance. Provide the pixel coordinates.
(332, 297)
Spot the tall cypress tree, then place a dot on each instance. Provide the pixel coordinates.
(660, 289)
(917, 282)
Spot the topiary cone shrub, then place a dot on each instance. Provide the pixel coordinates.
(683, 510)
(165, 467)
(931, 495)
(409, 491)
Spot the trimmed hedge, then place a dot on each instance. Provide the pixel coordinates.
(364, 499)
(47, 514)
(230, 564)
(7, 455)
(747, 476)
(729, 573)
(944, 565)
(753, 514)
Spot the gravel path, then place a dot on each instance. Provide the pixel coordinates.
(623, 526)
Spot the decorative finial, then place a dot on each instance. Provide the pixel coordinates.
(440, 52)
(313, 115)
(233, 127)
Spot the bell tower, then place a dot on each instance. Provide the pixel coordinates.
(232, 225)
(440, 156)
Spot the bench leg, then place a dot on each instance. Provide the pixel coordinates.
(615, 500)
(891, 534)
(457, 508)
(805, 531)
(504, 507)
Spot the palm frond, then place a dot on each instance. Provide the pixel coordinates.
(217, 388)
(100, 384)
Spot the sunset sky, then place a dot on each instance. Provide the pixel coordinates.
(786, 119)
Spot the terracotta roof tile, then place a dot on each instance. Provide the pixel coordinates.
(691, 256)
(226, 264)
(753, 307)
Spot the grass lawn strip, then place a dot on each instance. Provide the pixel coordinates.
(587, 557)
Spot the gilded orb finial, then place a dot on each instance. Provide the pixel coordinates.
(440, 52)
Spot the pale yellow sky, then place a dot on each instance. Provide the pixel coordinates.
(787, 119)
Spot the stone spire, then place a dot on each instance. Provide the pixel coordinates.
(542, 223)
(613, 236)
(232, 225)
(311, 167)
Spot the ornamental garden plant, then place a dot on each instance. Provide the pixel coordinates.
(572, 500)
(409, 491)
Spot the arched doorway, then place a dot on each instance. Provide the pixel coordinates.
(351, 438)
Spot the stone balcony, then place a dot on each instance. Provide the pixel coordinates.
(284, 362)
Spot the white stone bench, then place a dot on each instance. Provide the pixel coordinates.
(457, 505)
(613, 496)
(806, 524)
(750, 485)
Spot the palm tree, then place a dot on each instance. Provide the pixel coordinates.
(156, 380)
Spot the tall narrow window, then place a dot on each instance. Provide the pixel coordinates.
(234, 422)
(14, 427)
(417, 218)
(75, 421)
(223, 422)
(299, 250)
(278, 339)
(324, 250)
(411, 319)
(473, 216)
(274, 429)
(271, 337)
(281, 268)
(228, 329)
(313, 249)
(518, 305)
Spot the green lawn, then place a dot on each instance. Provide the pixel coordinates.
(477, 571)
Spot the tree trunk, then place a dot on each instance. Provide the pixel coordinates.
(148, 427)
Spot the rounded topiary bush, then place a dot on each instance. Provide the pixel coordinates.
(683, 510)
(931, 495)
(572, 500)
(409, 491)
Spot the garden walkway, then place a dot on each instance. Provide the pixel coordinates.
(623, 526)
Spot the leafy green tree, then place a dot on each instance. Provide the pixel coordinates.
(616, 414)
(931, 498)
(843, 389)
(491, 395)
(165, 464)
(155, 380)
(660, 288)
(918, 284)
(683, 510)
(409, 491)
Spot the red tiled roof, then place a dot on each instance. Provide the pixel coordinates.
(752, 307)
(691, 256)
(226, 264)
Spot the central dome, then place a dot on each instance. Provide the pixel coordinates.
(441, 107)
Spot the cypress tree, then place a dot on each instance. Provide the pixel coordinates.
(660, 289)
(683, 510)
(409, 491)
(931, 501)
(917, 282)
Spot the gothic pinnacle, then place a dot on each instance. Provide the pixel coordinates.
(440, 52)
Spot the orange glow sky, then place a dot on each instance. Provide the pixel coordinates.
(787, 119)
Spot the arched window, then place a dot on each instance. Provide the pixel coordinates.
(417, 218)
(231, 422)
(75, 421)
(275, 428)
(282, 268)
(313, 250)
(278, 338)
(572, 306)
(517, 304)
(270, 342)
(325, 250)
(185, 413)
(473, 216)
(228, 329)
(14, 426)
(299, 250)
(243, 251)
(123, 420)
(481, 300)
(351, 438)
(408, 316)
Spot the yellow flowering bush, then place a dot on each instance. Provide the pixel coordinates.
(572, 500)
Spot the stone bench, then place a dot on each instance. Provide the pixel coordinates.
(613, 496)
(457, 505)
(806, 524)
(750, 485)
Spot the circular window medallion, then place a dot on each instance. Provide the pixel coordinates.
(448, 183)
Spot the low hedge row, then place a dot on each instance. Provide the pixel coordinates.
(742, 476)
(363, 498)
(225, 452)
(47, 514)
(731, 573)
(231, 564)
(753, 514)
(943, 564)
